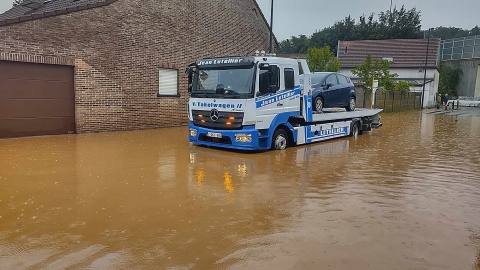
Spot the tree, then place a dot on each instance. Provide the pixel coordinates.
(17, 2)
(402, 86)
(474, 31)
(298, 44)
(375, 70)
(322, 59)
(449, 78)
(448, 32)
(398, 23)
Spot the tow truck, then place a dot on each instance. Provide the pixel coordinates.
(258, 103)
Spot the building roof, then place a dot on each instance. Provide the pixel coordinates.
(403, 53)
(36, 9)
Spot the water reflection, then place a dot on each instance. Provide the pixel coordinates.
(405, 195)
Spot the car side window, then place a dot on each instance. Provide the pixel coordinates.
(342, 79)
(331, 80)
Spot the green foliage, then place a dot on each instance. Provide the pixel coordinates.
(298, 44)
(17, 2)
(402, 86)
(453, 32)
(399, 23)
(448, 81)
(322, 59)
(378, 70)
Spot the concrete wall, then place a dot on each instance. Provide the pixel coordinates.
(469, 84)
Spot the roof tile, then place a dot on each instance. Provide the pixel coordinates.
(405, 52)
(39, 9)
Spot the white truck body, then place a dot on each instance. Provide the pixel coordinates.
(243, 102)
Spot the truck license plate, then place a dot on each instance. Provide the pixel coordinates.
(214, 135)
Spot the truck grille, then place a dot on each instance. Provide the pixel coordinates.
(226, 120)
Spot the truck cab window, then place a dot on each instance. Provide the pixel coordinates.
(268, 81)
(289, 79)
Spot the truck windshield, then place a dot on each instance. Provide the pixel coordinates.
(224, 83)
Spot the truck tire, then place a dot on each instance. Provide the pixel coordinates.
(355, 130)
(279, 140)
(318, 103)
(351, 105)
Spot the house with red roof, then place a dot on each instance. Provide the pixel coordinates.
(409, 58)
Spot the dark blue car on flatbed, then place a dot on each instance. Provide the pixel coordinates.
(332, 90)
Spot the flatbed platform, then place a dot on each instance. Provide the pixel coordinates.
(340, 115)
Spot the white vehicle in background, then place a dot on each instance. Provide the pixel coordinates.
(466, 102)
(257, 103)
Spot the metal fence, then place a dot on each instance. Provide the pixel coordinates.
(460, 48)
(389, 101)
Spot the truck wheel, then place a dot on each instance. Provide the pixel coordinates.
(355, 131)
(280, 140)
(351, 105)
(318, 104)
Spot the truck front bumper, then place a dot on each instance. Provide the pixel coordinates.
(243, 139)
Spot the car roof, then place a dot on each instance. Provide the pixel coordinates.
(324, 72)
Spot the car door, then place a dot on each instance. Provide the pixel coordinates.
(330, 87)
(343, 90)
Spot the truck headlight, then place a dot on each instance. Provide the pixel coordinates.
(244, 138)
(193, 132)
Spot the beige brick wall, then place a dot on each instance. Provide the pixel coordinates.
(118, 49)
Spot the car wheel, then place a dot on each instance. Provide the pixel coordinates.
(318, 104)
(351, 105)
(280, 139)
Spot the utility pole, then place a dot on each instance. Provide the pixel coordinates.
(391, 7)
(425, 67)
(271, 29)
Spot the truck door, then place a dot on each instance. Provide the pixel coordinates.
(267, 106)
(291, 99)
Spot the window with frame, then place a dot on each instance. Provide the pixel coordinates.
(167, 82)
(342, 79)
(267, 80)
(332, 80)
(289, 77)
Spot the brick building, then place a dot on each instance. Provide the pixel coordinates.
(107, 65)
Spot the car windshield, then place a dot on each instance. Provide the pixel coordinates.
(223, 83)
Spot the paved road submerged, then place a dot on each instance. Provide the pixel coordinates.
(405, 196)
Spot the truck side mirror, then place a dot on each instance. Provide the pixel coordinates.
(189, 71)
(190, 81)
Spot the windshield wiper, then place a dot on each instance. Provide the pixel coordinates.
(235, 94)
(204, 95)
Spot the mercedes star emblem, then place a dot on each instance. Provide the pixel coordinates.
(214, 115)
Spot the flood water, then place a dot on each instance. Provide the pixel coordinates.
(405, 196)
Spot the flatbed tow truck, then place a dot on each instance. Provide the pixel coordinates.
(258, 103)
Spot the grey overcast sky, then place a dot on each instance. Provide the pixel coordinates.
(296, 17)
(293, 18)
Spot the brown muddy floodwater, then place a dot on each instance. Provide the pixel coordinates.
(405, 196)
